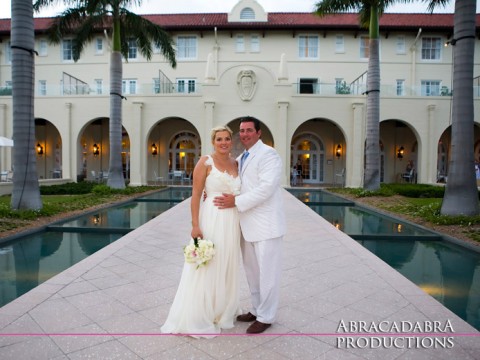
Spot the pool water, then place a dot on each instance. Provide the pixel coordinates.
(28, 261)
(448, 272)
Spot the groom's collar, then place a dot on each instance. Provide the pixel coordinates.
(255, 147)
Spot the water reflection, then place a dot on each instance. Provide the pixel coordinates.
(448, 272)
(129, 216)
(27, 256)
(32, 259)
(359, 221)
(395, 253)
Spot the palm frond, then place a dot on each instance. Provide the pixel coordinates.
(88, 30)
(66, 23)
(147, 33)
(328, 7)
(40, 4)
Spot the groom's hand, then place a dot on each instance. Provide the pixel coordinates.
(225, 201)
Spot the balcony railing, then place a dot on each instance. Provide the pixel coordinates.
(182, 89)
(357, 89)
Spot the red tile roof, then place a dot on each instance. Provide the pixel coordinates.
(388, 21)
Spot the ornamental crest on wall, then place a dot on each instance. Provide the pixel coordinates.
(246, 84)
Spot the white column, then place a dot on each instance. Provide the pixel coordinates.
(280, 140)
(356, 148)
(70, 148)
(138, 149)
(5, 152)
(207, 147)
(427, 163)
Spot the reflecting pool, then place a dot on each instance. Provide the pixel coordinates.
(448, 272)
(29, 260)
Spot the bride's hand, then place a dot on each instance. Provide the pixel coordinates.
(196, 233)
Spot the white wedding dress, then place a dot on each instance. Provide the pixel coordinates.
(207, 298)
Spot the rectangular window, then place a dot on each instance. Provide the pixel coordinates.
(67, 50)
(132, 49)
(99, 46)
(8, 53)
(431, 87)
(186, 85)
(255, 44)
(98, 86)
(400, 87)
(186, 47)
(401, 48)
(239, 44)
(129, 86)
(42, 87)
(156, 86)
(339, 44)
(308, 47)
(364, 47)
(431, 47)
(42, 48)
(308, 86)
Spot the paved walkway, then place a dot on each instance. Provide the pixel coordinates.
(112, 304)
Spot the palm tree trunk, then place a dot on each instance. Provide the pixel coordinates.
(26, 192)
(461, 193)
(372, 148)
(115, 176)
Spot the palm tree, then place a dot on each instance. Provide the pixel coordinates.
(84, 20)
(369, 14)
(26, 191)
(461, 193)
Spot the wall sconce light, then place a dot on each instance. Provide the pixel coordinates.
(338, 151)
(400, 152)
(96, 149)
(39, 149)
(154, 149)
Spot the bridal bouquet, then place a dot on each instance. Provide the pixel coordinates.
(199, 251)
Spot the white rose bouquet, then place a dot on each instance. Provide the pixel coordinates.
(199, 251)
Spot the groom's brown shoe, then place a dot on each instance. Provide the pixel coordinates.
(248, 317)
(257, 327)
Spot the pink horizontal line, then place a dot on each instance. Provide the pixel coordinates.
(263, 334)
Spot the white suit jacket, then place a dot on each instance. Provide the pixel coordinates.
(260, 203)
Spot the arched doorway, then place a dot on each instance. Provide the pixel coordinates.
(94, 151)
(308, 155)
(184, 152)
(48, 147)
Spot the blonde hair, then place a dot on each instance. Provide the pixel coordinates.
(217, 129)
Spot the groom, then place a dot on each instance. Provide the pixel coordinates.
(262, 221)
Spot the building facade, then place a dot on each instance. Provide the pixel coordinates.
(302, 76)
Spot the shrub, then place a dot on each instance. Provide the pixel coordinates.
(83, 187)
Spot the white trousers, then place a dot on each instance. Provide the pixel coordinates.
(263, 265)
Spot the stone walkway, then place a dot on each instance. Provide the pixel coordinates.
(112, 304)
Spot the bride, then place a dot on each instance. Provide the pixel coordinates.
(207, 297)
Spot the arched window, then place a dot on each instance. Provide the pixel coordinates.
(184, 152)
(247, 14)
(309, 156)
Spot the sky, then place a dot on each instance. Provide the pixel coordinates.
(224, 6)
